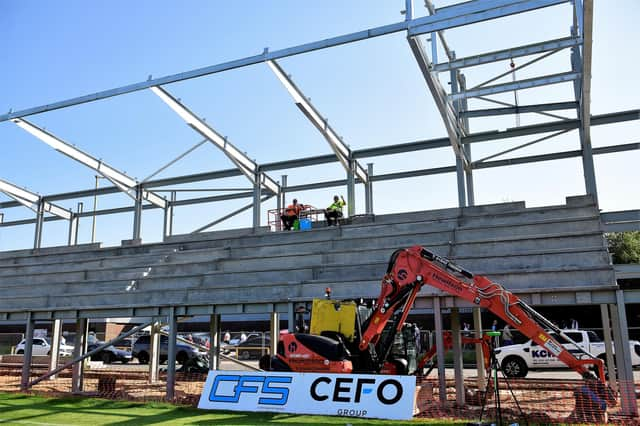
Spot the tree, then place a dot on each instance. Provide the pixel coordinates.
(624, 246)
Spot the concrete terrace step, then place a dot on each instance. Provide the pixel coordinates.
(439, 219)
(205, 262)
(225, 292)
(438, 241)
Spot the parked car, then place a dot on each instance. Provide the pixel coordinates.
(42, 346)
(109, 354)
(517, 360)
(253, 348)
(142, 351)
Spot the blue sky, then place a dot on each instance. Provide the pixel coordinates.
(372, 92)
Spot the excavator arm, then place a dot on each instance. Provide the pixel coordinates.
(412, 268)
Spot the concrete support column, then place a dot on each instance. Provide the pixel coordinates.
(628, 405)
(442, 384)
(171, 355)
(37, 238)
(274, 329)
(28, 351)
(608, 346)
(154, 352)
(458, 366)
(214, 343)
(78, 350)
(137, 214)
(56, 332)
(257, 195)
(351, 189)
(291, 320)
(477, 326)
(368, 190)
(168, 217)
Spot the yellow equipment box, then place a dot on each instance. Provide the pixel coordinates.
(332, 315)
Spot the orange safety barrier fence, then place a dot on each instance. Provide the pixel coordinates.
(540, 401)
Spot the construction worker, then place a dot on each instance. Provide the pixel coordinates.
(291, 214)
(334, 212)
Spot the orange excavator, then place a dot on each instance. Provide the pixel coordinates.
(370, 347)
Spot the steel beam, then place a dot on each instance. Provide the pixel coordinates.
(553, 126)
(439, 95)
(342, 150)
(31, 200)
(517, 85)
(514, 52)
(119, 179)
(449, 17)
(475, 11)
(337, 183)
(246, 165)
(556, 106)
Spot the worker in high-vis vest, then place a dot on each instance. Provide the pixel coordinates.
(291, 214)
(334, 212)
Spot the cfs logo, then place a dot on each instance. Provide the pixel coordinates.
(229, 388)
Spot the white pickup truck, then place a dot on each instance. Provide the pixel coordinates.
(517, 360)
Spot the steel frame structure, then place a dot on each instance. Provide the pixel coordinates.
(452, 105)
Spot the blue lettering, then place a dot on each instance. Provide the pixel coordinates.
(275, 390)
(241, 386)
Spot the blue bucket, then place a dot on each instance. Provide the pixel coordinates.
(305, 224)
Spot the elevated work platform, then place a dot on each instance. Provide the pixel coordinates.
(549, 256)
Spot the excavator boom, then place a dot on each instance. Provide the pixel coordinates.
(412, 268)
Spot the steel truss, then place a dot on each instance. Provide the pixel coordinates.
(452, 104)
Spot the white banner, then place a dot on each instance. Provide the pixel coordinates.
(352, 395)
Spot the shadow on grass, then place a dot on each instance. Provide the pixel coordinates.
(77, 410)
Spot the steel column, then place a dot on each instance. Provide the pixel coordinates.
(257, 194)
(77, 371)
(154, 352)
(37, 239)
(56, 332)
(460, 172)
(368, 190)
(464, 106)
(628, 404)
(477, 327)
(137, 214)
(442, 383)
(291, 321)
(351, 190)
(74, 222)
(171, 356)
(282, 200)
(458, 366)
(274, 328)
(214, 342)
(608, 346)
(28, 351)
(168, 217)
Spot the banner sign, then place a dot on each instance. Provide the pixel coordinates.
(351, 395)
